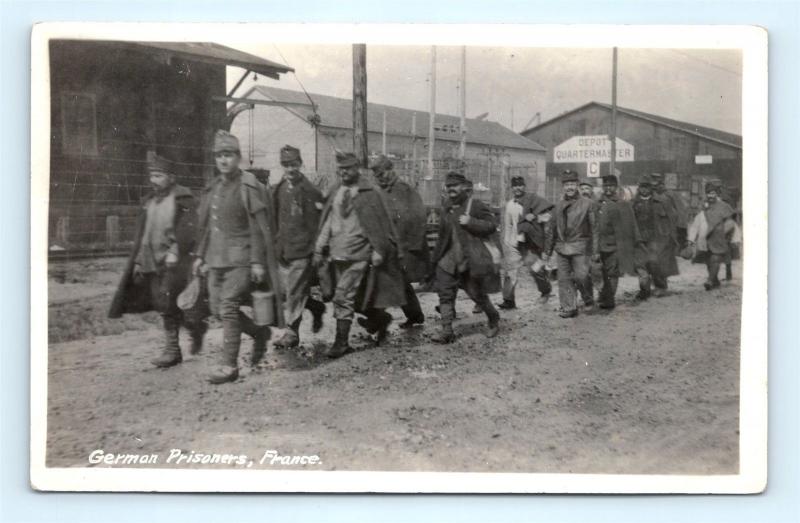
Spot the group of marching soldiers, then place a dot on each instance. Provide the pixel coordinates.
(364, 245)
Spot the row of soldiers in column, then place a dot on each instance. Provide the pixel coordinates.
(641, 237)
(365, 244)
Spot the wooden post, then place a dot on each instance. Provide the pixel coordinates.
(112, 232)
(360, 103)
(432, 114)
(414, 141)
(462, 106)
(613, 134)
(383, 141)
(503, 181)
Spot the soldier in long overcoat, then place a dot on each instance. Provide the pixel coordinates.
(298, 207)
(357, 237)
(617, 237)
(159, 266)
(711, 232)
(236, 248)
(655, 256)
(410, 219)
(462, 256)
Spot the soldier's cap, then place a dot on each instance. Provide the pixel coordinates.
(517, 180)
(225, 142)
(646, 180)
(610, 179)
(656, 177)
(381, 164)
(455, 178)
(586, 181)
(345, 159)
(569, 176)
(290, 155)
(158, 163)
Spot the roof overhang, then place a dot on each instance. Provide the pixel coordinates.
(216, 54)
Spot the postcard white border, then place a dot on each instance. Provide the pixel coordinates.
(752, 476)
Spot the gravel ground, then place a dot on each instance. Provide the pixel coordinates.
(648, 388)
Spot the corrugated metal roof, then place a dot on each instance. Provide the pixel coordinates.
(338, 112)
(218, 54)
(730, 139)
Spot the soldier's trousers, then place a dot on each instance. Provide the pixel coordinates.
(349, 275)
(228, 290)
(573, 274)
(610, 273)
(165, 286)
(296, 278)
(447, 286)
(712, 264)
(513, 260)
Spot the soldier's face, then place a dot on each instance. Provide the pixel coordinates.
(570, 188)
(586, 190)
(227, 161)
(456, 192)
(381, 177)
(518, 190)
(660, 187)
(645, 190)
(161, 180)
(291, 170)
(711, 196)
(609, 189)
(349, 174)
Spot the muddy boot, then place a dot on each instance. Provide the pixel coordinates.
(290, 338)
(317, 309)
(568, 314)
(728, 272)
(445, 334)
(507, 305)
(171, 355)
(608, 294)
(341, 344)
(260, 335)
(228, 368)
(382, 320)
(223, 374)
(197, 334)
(477, 309)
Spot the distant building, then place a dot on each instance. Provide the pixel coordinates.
(490, 147)
(687, 154)
(113, 102)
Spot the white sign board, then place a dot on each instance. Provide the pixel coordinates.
(593, 169)
(703, 159)
(595, 148)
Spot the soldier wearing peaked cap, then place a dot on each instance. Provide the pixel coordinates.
(409, 217)
(570, 235)
(298, 207)
(464, 256)
(358, 237)
(655, 255)
(617, 237)
(712, 232)
(236, 249)
(159, 266)
(525, 216)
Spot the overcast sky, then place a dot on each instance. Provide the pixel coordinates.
(698, 86)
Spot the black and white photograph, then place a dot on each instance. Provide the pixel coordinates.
(398, 258)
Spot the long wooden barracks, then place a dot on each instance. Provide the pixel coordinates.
(686, 154)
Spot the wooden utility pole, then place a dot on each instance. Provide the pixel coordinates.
(414, 140)
(462, 106)
(383, 140)
(613, 134)
(360, 103)
(432, 114)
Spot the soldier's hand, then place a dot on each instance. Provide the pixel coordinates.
(529, 217)
(463, 219)
(257, 273)
(197, 267)
(317, 259)
(376, 259)
(171, 260)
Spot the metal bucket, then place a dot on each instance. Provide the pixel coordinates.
(263, 308)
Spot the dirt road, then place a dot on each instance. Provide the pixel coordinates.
(649, 388)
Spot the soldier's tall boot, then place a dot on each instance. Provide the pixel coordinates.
(445, 334)
(494, 318)
(260, 335)
(341, 344)
(228, 369)
(728, 272)
(609, 293)
(197, 333)
(171, 355)
(317, 309)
